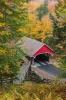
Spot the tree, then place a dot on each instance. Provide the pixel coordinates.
(59, 34)
(46, 29)
(39, 30)
(42, 11)
(13, 16)
(59, 22)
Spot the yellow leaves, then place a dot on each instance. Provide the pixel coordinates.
(41, 91)
(12, 52)
(60, 46)
(34, 25)
(22, 29)
(49, 97)
(4, 33)
(46, 28)
(17, 10)
(2, 24)
(1, 15)
(20, 92)
(26, 96)
(7, 69)
(46, 24)
(36, 97)
(22, 5)
(2, 51)
(25, 5)
(40, 29)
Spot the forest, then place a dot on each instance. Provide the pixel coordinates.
(44, 21)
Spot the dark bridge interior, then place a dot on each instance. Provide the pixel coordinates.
(42, 57)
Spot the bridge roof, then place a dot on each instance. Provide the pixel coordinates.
(33, 47)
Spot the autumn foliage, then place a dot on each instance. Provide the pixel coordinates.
(13, 15)
(16, 21)
(32, 91)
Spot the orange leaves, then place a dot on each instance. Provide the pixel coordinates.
(51, 6)
(42, 91)
(33, 5)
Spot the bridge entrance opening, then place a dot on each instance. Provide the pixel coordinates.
(42, 57)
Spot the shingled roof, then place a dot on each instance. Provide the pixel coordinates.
(30, 46)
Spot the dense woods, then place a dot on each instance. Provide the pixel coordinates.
(13, 16)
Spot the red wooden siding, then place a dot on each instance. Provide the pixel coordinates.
(44, 49)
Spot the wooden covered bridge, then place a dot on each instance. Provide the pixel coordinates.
(38, 55)
(35, 49)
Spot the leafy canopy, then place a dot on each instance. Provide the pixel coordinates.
(13, 16)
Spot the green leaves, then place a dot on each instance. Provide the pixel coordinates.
(42, 11)
(58, 40)
(13, 16)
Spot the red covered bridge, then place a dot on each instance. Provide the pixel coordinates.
(38, 54)
(35, 49)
